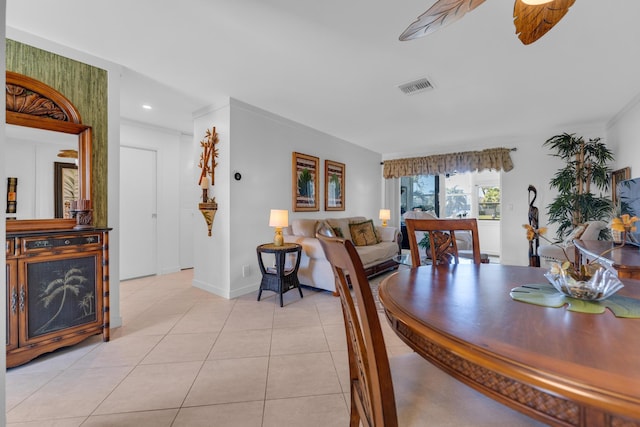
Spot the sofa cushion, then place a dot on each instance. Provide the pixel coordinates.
(375, 254)
(304, 227)
(386, 234)
(364, 233)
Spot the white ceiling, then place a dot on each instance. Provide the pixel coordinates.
(335, 65)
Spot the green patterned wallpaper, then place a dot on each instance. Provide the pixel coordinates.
(86, 87)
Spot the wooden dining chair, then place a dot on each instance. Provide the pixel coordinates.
(442, 239)
(405, 390)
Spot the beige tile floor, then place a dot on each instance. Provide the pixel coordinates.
(188, 358)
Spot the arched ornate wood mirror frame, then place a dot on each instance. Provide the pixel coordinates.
(32, 103)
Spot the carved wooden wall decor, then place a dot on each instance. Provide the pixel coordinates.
(207, 164)
(25, 95)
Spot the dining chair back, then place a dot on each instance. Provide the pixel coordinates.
(372, 396)
(443, 248)
(405, 389)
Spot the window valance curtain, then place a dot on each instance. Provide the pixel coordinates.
(441, 164)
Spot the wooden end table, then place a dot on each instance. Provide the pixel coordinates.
(279, 278)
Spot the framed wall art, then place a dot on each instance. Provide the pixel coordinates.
(65, 182)
(333, 186)
(616, 177)
(305, 182)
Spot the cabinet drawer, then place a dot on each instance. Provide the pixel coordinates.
(39, 244)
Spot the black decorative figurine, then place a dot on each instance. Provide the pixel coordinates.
(534, 258)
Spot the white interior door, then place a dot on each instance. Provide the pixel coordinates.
(138, 194)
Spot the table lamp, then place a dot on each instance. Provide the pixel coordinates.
(385, 215)
(278, 219)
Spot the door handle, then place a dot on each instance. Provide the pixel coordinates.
(14, 300)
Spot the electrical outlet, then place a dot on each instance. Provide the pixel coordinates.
(246, 270)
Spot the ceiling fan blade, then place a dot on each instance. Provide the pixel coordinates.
(442, 13)
(533, 21)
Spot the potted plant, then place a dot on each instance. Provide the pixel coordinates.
(586, 170)
(425, 244)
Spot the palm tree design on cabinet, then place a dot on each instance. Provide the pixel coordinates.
(65, 290)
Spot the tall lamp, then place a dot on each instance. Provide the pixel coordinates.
(385, 215)
(278, 219)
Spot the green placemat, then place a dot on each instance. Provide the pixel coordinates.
(547, 296)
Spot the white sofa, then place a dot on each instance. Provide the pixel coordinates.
(314, 268)
(565, 250)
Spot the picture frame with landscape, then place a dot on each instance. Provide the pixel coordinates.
(334, 194)
(65, 182)
(305, 182)
(617, 176)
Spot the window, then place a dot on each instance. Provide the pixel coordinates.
(458, 196)
(488, 202)
(419, 192)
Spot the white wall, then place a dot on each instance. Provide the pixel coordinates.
(211, 254)
(623, 132)
(166, 143)
(189, 192)
(259, 145)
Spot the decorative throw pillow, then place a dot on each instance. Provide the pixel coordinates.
(338, 232)
(324, 229)
(363, 233)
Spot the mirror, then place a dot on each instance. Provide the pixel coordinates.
(45, 179)
(41, 122)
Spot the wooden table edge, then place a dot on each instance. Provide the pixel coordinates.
(460, 358)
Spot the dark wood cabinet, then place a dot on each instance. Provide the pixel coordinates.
(57, 290)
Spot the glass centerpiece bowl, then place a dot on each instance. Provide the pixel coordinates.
(594, 284)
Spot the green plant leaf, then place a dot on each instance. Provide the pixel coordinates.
(546, 295)
(586, 172)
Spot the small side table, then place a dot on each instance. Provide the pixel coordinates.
(279, 279)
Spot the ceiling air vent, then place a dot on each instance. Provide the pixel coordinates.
(416, 86)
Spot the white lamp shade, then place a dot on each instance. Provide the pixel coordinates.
(385, 214)
(279, 218)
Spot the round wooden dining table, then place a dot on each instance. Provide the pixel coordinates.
(558, 366)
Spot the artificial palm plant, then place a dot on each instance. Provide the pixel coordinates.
(586, 170)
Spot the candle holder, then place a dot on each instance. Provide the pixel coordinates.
(83, 213)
